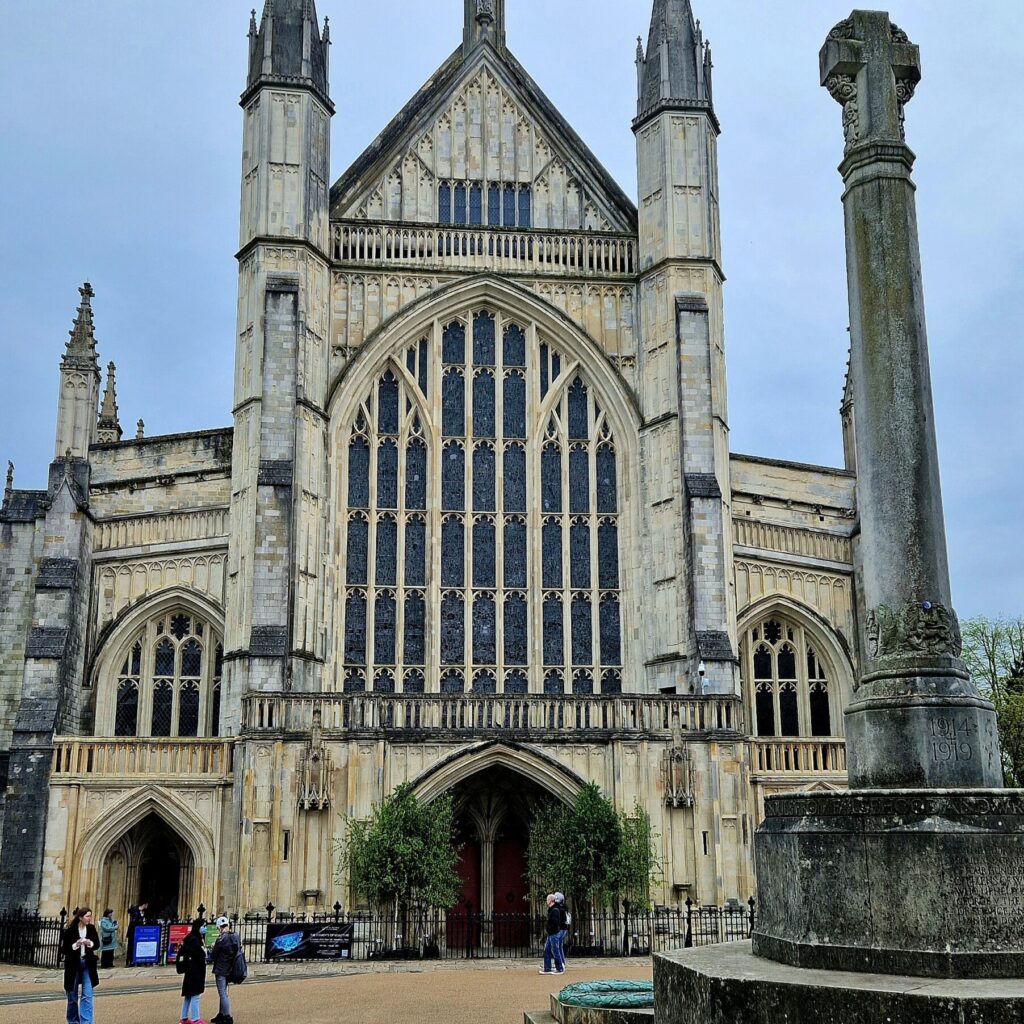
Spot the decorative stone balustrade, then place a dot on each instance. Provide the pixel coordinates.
(788, 540)
(433, 715)
(585, 254)
(138, 531)
(799, 756)
(132, 757)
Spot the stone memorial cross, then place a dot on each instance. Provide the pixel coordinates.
(915, 719)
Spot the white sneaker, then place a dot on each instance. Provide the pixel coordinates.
(542, 971)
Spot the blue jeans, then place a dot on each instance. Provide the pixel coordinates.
(551, 955)
(222, 992)
(560, 947)
(80, 1007)
(190, 1008)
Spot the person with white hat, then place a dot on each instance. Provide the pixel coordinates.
(225, 951)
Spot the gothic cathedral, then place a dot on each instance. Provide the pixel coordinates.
(476, 526)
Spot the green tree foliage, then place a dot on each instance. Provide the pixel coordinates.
(592, 853)
(638, 863)
(405, 852)
(994, 653)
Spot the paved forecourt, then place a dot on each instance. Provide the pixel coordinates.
(493, 993)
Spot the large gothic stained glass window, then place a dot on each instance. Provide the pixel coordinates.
(481, 530)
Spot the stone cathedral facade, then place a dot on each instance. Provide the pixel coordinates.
(476, 525)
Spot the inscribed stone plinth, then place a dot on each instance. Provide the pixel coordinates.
(922, 882)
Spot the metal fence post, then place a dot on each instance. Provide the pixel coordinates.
(688, 941)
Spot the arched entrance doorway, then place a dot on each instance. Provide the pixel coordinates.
(150, 863)
(494, 808)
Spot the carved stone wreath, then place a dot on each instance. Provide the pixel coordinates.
(844, 30)
(920, 628)
(843, 89)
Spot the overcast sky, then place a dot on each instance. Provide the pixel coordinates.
(122, 138)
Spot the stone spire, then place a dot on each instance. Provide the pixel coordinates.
(9, 486)
(109, 427)
(79, 385)
(140, 430)
(485, 22)
(287, 47)
(677, 68)
(80, 352)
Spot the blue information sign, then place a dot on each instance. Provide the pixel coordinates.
(146, 944)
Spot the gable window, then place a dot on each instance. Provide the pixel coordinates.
(463, 203)
(790, 690)
(169, 680)
(516, 425)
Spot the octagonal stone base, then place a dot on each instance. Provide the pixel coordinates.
(727, 984)
(902, 882)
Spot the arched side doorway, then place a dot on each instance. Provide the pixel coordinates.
(150, 864)
(149, 845)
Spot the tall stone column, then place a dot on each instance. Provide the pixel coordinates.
(915, 719)
(918, 871)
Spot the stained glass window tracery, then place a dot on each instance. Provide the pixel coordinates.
(790, 690)
(461, 616)
(165, 680)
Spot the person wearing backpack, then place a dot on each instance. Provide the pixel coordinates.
(564, 933)
(226, 952)
(190, 961)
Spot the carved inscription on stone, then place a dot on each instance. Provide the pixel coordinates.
(951, 739)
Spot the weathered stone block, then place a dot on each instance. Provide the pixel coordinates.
(938, 877)
(57, 574)
(715, 984)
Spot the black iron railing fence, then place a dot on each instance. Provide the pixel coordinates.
(415, 934)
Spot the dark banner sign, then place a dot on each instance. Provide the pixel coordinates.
(300, 940)
(146, 944)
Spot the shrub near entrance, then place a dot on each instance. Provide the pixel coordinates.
(405, 852)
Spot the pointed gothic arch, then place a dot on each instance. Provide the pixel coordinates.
(452, 586)
(114, 646)
(194, 832)
(551, 775)
(820, 640)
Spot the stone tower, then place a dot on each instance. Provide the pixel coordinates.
(683, 378)
(51, 697)
(274, 588)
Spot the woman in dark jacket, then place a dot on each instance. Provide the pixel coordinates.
(191, 962)
(79, 944)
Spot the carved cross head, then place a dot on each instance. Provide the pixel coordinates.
(871, 68)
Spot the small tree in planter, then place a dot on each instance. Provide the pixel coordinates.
(405, 855)
(594, 854)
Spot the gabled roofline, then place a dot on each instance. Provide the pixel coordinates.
(348, 183)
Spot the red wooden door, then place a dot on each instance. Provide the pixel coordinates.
(511, 909)
(463, 919)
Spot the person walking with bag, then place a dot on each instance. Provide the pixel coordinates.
(564, 933)
(79, 944)
(552, 926)
(225, 952)
(190, 961)
(108, 939)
